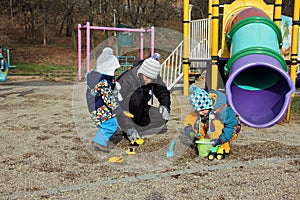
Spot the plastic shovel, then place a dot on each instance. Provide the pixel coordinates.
(170, 153)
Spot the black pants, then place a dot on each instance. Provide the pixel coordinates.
(151, 122)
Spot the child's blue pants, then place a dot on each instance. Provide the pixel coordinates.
(106, 131)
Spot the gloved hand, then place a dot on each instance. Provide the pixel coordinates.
(117, 110)
(117, 93)
(132, 134)
(189, 131)
(216, 141)
(165, 113)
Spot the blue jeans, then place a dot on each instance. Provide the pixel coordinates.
(106, 131)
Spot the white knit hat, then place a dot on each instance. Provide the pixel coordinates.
(150, 68)
(107, 63)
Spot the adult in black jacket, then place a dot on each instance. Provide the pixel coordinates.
(137, 90)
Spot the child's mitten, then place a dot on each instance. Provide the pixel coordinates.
(189, 131)
(216, 141)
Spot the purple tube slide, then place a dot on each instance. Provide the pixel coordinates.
(259, 90)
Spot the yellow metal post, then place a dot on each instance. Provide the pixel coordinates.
(186, 48)
(277, 12)
(295, 31)
(209, 31)
(294, 54)
(215, 41)
(209, 9)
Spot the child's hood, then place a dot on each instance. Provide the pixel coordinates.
(92, 78)
(219, 98)
(107, 63)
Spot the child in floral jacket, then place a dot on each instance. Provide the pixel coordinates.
(100, 99)
(211, 118)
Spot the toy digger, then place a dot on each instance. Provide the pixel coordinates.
(133, 145)
(135, 141)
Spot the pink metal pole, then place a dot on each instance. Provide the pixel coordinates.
(141, 31)
(116, 29)
(152, 41)
(79, 51)
(88, 47)
(142, 45)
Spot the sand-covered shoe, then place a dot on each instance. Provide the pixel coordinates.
(99, 147)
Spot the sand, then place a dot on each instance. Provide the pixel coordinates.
(46, 153)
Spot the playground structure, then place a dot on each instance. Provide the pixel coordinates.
(4, 63)
(88, 29)
(258, 85)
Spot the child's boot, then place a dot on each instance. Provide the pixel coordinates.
(226, 147)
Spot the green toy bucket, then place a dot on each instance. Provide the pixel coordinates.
(203, 146)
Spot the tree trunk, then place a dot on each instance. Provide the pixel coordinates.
(75, 41)
(32, 25)
(69, 25)
(61, 26)
(44, 24)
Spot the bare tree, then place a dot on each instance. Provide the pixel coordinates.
(46, 5)
(29, 12)
(142, 13)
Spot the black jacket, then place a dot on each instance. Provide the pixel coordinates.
(136, 96)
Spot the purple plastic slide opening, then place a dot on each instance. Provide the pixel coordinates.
(259, 105)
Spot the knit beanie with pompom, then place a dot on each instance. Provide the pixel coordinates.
(150, 68)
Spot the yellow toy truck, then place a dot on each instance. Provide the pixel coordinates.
(217, 152)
